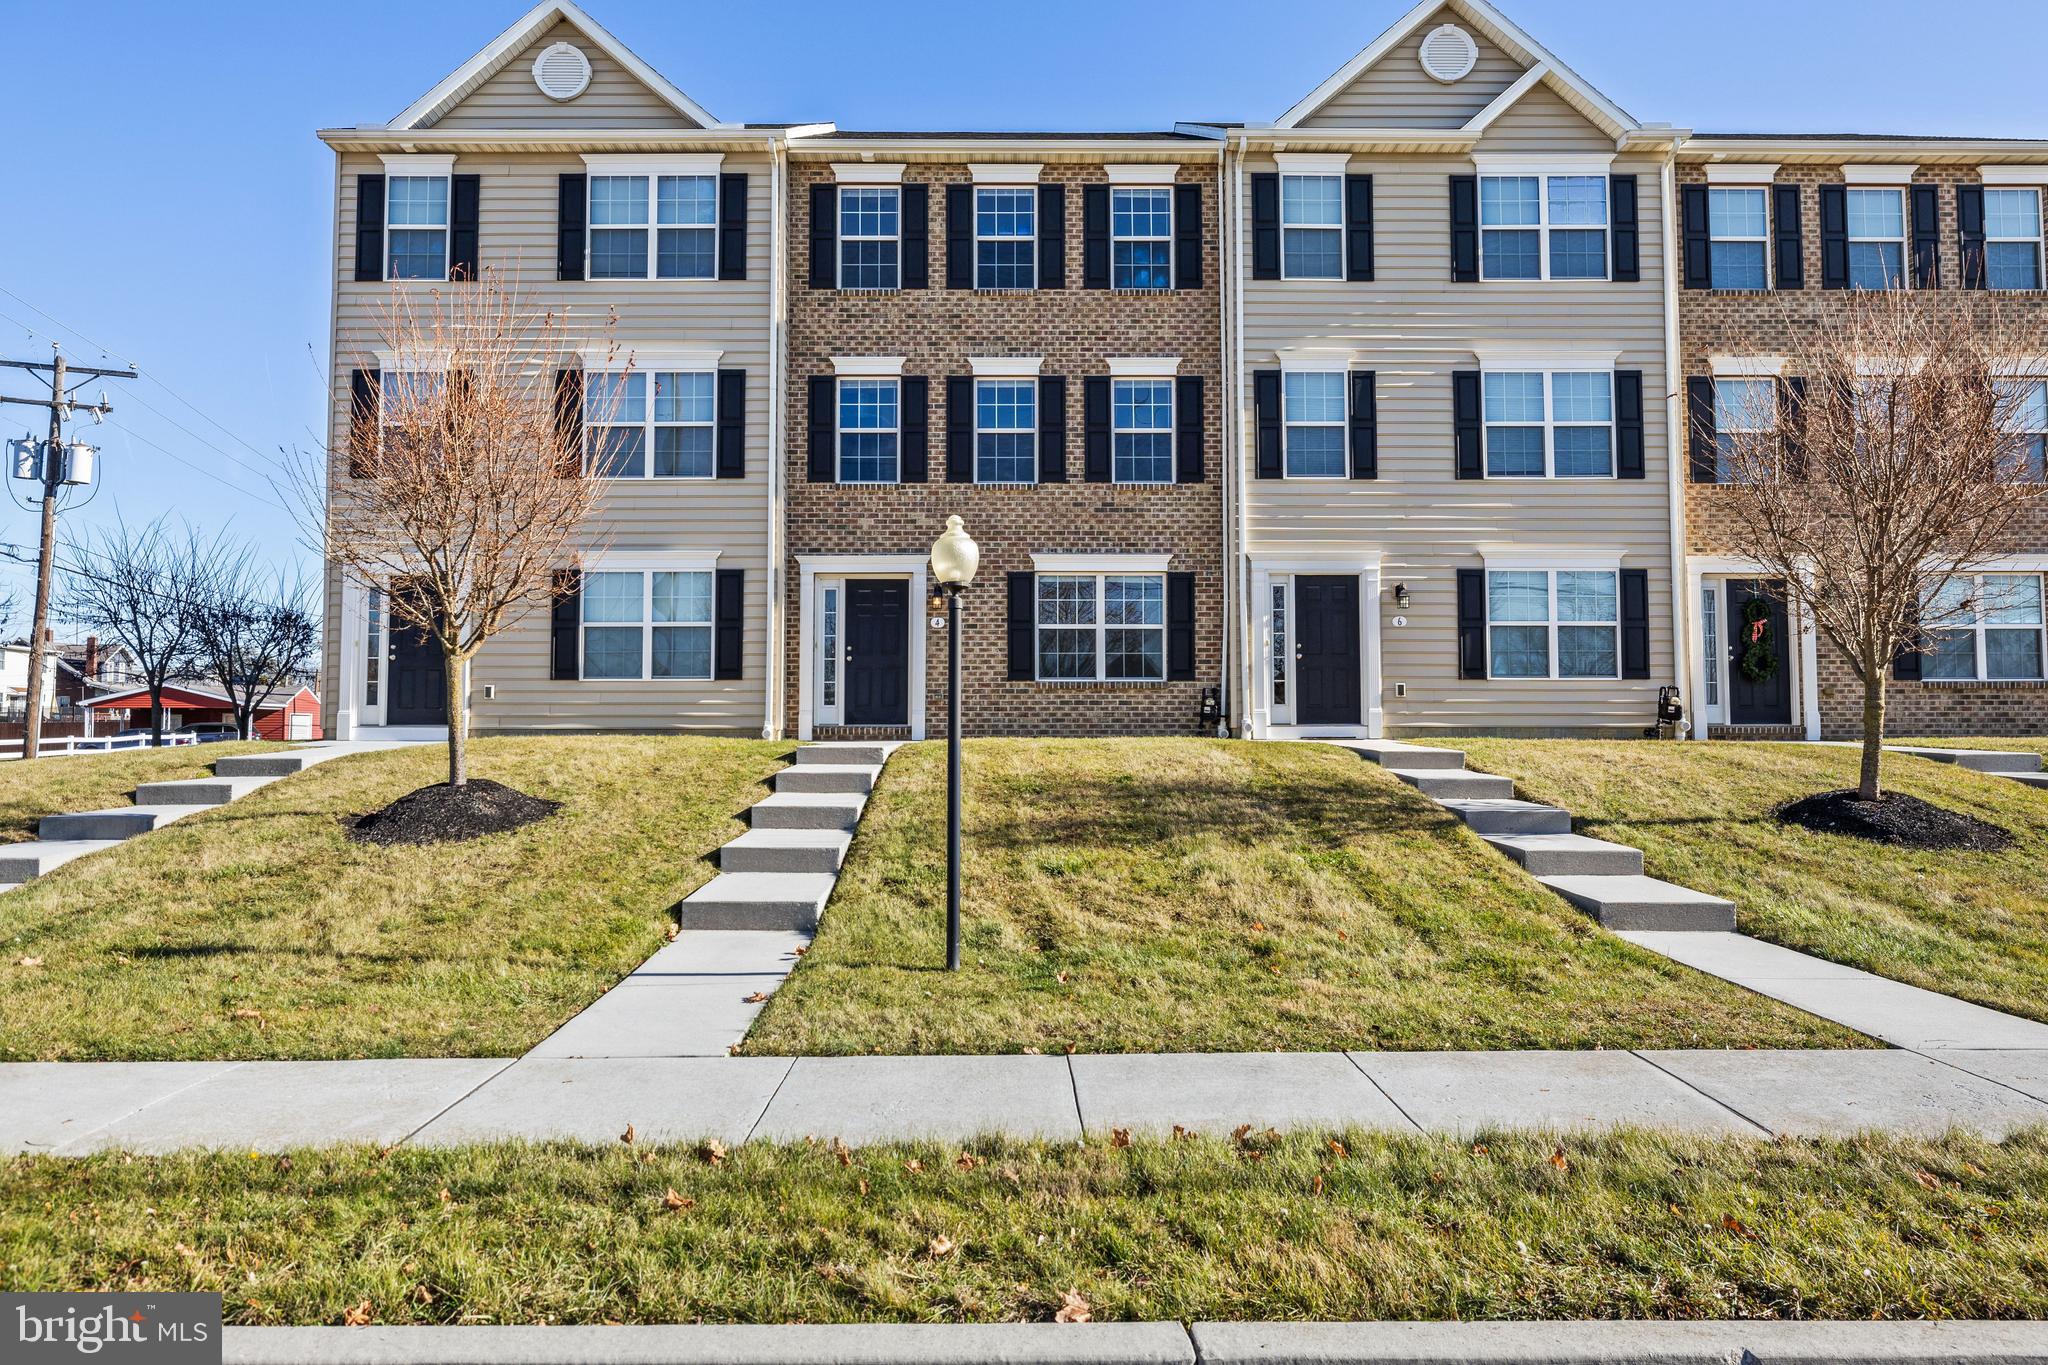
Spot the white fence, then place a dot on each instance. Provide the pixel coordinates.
(60, 748)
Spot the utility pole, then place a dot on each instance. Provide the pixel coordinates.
(56, 472)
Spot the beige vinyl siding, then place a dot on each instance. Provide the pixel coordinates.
(1397, 93)
(1540, 122)
(518, 195)
(1413, 327)
(615, 99)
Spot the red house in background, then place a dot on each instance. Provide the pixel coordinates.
(286, 715)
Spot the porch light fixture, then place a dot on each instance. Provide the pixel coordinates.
(1401, 598)
(955, 557)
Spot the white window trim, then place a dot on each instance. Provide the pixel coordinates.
(831, 615)
(1746, 366)
(839, 428)
(1343, 424)
(1005, 366)
(420, 166)
(1761, 239)
(1124, 175)
(669, 356)
(1543, 168)
(1172, 429)
(1977, 626)
(1312, 163)
(1172, 251)
(2002, 176)
(1878, 175)
(1144, 367)
(1303, 165)
(434, 361)
(2037, 241)
(659, 364)
(1030, 237)
(868, 366)
(1100, 563)
(1741, 175)
(1092, 566)
(647, 624)
(868, 172)
(1005, 173)
(651, 167)
(840, 237)
(1550, 425)
(1551, 570)
(1032, 430)
(1904, 241)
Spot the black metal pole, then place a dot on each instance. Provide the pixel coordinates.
(953, 779)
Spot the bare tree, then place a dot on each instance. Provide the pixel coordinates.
(140, 587)
(462, 476)
(1890, 474)
(253, 634)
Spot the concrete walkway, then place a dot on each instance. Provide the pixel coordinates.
(2020, 765)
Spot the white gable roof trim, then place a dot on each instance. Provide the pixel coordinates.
(459, 83)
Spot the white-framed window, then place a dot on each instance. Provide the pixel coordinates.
(1543, 227)
(870, 236)
(869, 430)
(646, 625)
(1549, 424)
(1006, 431)
(1311, 227)
(1877, 237)
(633, 438)
(1141, 238)
(1991, 629)
(2012, 238)
(1738, 232)
(1710, 643)
(1562, 623)
(416, 227)
(1312, 409)
(1741, 407)
(2028, 416)
(828, 647)
(1006, 237)
(1281, 656)
(662, 227)
(373, 647)
(1142, 424)
(1107, 627)
(401, 390)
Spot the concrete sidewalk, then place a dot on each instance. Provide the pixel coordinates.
(76, 1108)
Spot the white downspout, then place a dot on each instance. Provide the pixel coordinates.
(1225, 215)
(1676, 444)
(772, 654)
(1240, 548)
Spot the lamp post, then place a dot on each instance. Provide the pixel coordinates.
(955, 557)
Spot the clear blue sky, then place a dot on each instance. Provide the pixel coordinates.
(166, 196)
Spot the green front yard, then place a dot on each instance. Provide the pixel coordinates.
(258, 930)
(1973, 925)
(1207, 895)
(76, 782)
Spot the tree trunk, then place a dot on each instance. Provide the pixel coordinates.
(458, 723)
(156, 717)
(1867, 787)
(245, 722)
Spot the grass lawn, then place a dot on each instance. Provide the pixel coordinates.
(1356, 1226)
(1973, 925)
(1212, 895)
(258, 931)
(60, 786)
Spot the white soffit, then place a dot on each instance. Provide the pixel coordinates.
(1006, 366)
(1878, 175)
(868, 172)
(1143, 367)
(867, 365)
(1005, 172)
(1741, 173)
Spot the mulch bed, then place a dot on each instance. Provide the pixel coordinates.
(443, 814)
(1900, 820)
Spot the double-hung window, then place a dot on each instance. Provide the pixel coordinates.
(1738, 230)
(416, 226)
(1991, 629)
(1742, 407)
(646, 625)
(1562, 623)
(1311, 227)
(624, 426)
(1005, 237)
(1141, 238)
(1557, 424)
(1101, 627)
(1877, 238)
(1142, 425)
(1543, 227)
(1006, 431)
(2028, 416)
(869, 417)
(652, 226)
(870, 236)
(2012, 238)
(1312, 411)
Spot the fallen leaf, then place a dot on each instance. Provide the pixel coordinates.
(1340, 1150)
(1318, 1187)
(756, 998)
(1119, 1137)
(1179, 1133)
(913, 1165)
(1971, 1168)
(1239, 1133)
(30, 962)
(713, 1150)
(674, 932)
(842, 1151)
(941, 1245)
(1735, 1225)
(1557, 1159)
(800, 950)
(863, 1182)
(676, 1203)
(359, 1316)
(1033, 1052)
(628, 1136)
(1073, 1308)
(966, 1161)
(446, 1197)
(1059, 976)
(1927, 1182)
(422, 1295)
(1480, 1149)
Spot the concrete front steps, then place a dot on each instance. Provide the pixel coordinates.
(1604, 879)
(2019, 766)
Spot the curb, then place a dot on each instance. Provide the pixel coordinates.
(1608, 1343)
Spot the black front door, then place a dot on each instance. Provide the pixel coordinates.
(1761, 693)
(877, 652)
(418, 676)
(1326, 655)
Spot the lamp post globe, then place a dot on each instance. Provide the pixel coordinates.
(955, 557)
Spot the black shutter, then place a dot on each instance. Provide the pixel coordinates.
(1265, 225)
(369, 227)
(1365, 425)
(1095, 429)
(1023, 626)
(1834, 237)
(1635, 623)
(729, 623)
(1907, 662)
(1095, 236)
(914, 428)
(732, 424)
(1693, 226)
(1052, 428)
(565, 662)
(1052, 236)
(1788, 238)
(1468, 427)
(1926, 236)
(365, 396)
(1358, 228)
(960, 429)
(1702, 441)
(824, 453)
(571, 203)
(465, 193)
(1628, 424)
(1188, 429)
(1187, 236)
(569, 422)
(1970, 230)
(1464, 229)
(959, 236)
(914, 222)
(1792, 426)
(1180, 627)
(1266, 404)
(732, 226)
(1626, 241)
(1471, 623)
(824, 236)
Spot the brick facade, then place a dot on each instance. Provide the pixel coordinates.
(1076, 331)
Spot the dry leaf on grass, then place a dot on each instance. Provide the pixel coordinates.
(941, 1245)
(1927, 1182)
(713, 1150)
(359, 1316)
(628, 1136)
(913, 1165)
(1557, 1159)
(676, 1203)
(756, 998)
(1073, 1308)
(966, 1161)
(842, 1151)
(30, 962)
(1119, 1137)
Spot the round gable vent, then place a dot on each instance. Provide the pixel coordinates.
(1448, 53)
(562, 72)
